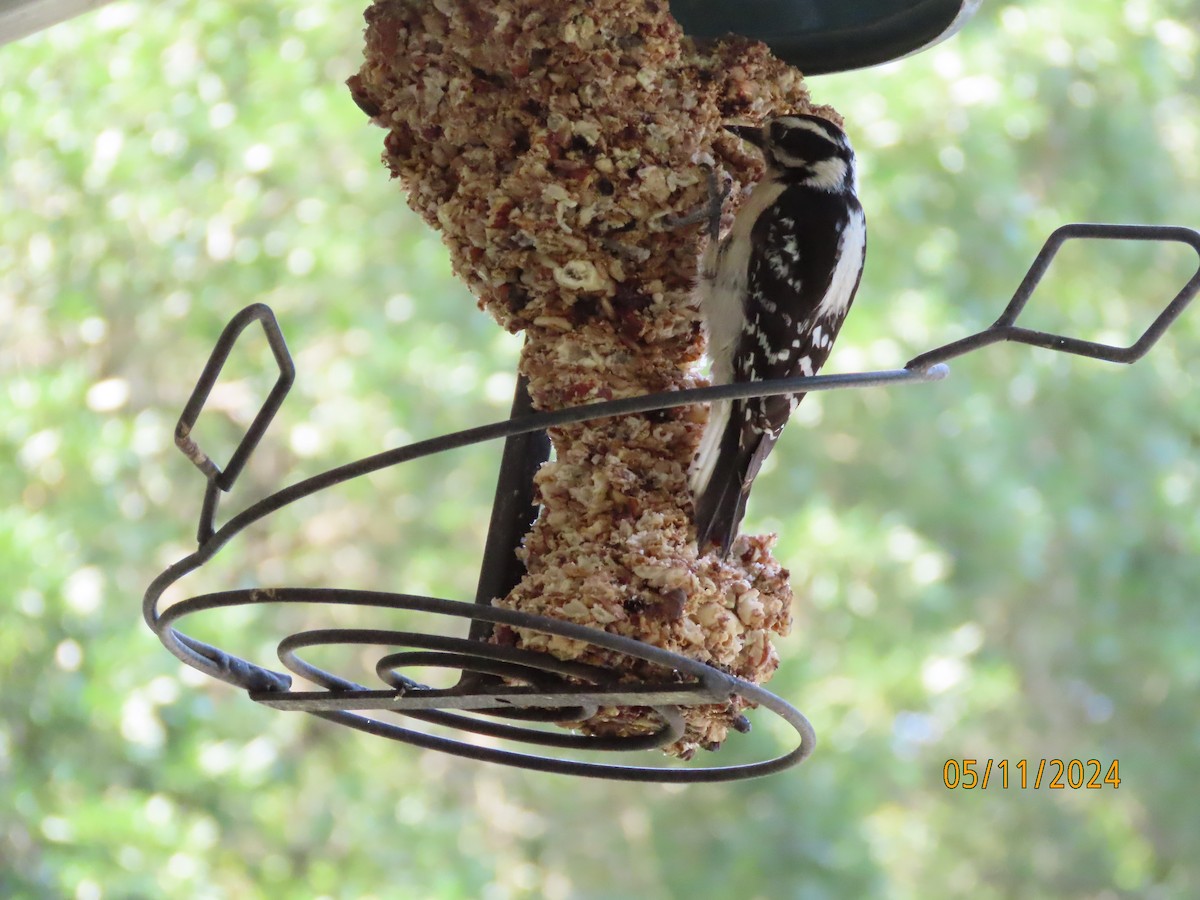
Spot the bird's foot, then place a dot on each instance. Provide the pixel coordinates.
(710, 210)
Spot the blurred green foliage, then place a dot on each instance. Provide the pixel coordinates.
(1004, 565)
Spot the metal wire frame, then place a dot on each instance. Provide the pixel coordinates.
(550, 690)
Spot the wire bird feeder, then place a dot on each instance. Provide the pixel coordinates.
(549, 690)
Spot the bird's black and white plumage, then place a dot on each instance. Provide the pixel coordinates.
(774, 293)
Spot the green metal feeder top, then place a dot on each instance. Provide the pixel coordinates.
(821, 36)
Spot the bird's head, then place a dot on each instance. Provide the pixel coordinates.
(803, 149)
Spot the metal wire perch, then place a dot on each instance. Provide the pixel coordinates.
(546, 689)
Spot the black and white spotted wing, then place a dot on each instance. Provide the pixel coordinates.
(809, 250)
(803, 275)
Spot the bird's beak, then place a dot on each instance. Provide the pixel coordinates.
(751, 133)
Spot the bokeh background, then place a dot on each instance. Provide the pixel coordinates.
(1004, 565)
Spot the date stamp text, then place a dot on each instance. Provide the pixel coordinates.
(1025, 774)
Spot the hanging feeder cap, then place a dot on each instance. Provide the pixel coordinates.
(822, 36)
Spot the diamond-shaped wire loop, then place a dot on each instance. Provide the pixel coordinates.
(222, 479)
(1006, 329)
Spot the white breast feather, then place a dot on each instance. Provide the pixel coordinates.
(724, 278)
(850, 258)
(710, 446)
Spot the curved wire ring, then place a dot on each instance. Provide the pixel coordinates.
(709, 685)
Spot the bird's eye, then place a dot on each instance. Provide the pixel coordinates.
(777, 132)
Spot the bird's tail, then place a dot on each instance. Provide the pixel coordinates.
(721, 477)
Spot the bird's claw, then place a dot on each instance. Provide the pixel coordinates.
(710, 210)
